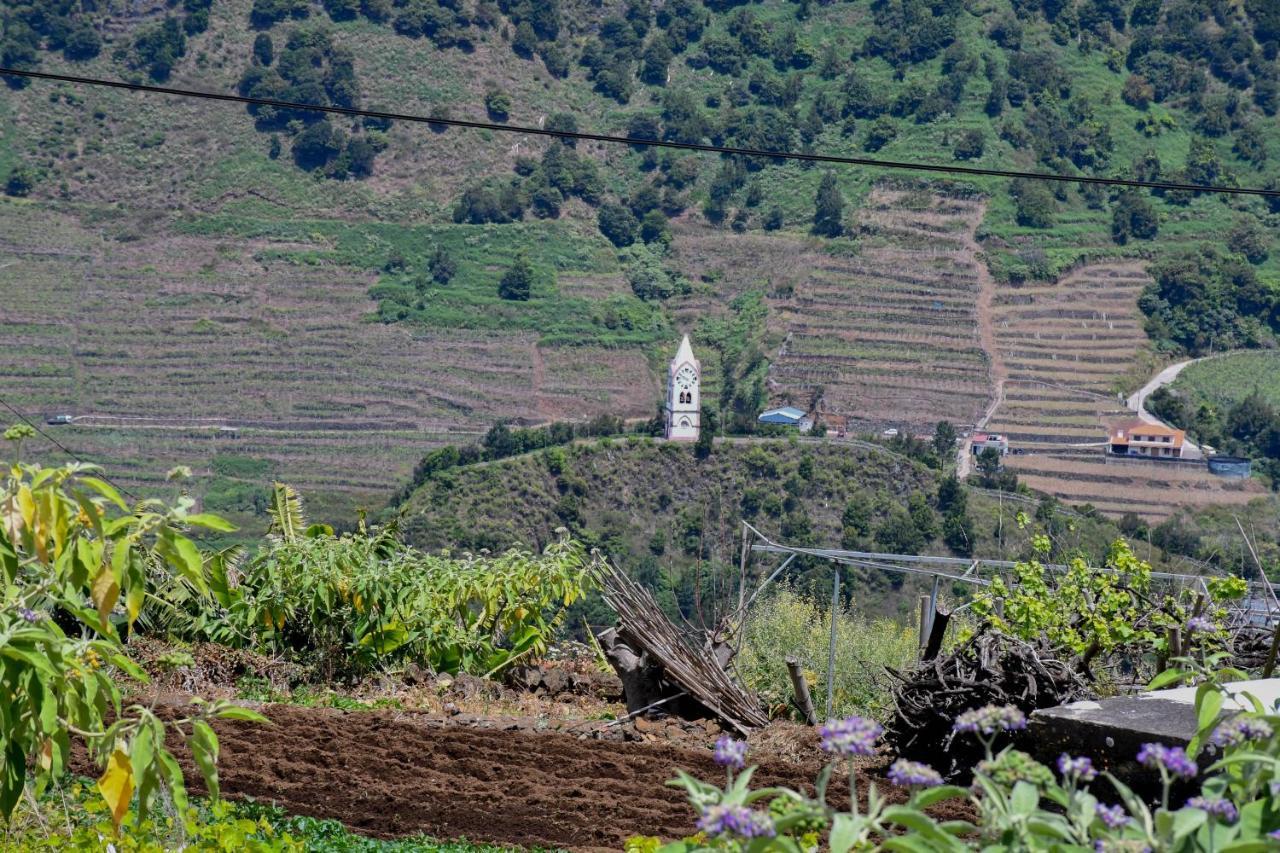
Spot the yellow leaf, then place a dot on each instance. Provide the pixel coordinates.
(105, 592)
(46, 755)
(116, 785)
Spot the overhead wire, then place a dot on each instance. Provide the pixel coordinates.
(356, 112)
(45, 435)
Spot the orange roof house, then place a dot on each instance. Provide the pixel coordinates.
(1137, 438)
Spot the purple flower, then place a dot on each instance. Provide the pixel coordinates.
(1112, 817)
(908, 774)
(1240, 730)
(737, 821)
(28, 615)
(991, 719)
(731, 753)
(1080, 768)
(1200, 625)
(851, 736)
(1172, 759)
(1275, 833)
(1217, 807)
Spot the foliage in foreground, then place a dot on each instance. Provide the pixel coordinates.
(354, 603)
(785, 624)
(78, 564)
(1019, 804)
(70, 818)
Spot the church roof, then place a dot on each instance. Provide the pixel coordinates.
(684, 355)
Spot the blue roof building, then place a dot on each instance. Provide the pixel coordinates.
(785, 416)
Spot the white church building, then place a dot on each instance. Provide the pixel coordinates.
(684, 403)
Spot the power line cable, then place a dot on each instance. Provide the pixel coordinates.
(971, 171)
(63, 447)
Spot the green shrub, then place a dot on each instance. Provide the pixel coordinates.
(785, 623)
(78, 564)
(354, 602)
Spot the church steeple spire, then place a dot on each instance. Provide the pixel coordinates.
(684, 406)
(684, 355)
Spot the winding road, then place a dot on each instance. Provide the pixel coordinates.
(1138, 399)
(1135, 401)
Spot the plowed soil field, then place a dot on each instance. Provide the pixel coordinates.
(385, 775)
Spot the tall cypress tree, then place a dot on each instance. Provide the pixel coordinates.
(828, 214)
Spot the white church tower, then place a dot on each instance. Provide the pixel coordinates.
(683, 396)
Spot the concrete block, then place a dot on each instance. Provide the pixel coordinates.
(1111, 731)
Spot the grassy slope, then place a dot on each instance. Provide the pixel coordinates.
(149, 170)
(1229, 379)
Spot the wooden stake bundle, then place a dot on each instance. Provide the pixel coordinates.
(694, 669)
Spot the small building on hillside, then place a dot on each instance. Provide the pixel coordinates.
(989, 441)
(1155, 441)
(1236, 467)
(787, 416)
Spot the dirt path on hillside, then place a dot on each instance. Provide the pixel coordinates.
(539, 382)
(385, 775)
(985, 312)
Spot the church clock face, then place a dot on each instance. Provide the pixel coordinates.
(686, 378)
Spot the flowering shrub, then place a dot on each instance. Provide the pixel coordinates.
(1020, 804)
(78, 564)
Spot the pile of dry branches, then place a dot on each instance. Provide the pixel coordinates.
(660, 643)
(989, 669)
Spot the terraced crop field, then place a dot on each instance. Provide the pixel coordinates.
(1063, 347)
(1151, 490)
(231, 335)
(890, 334)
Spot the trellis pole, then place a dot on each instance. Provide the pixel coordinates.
(831, 649)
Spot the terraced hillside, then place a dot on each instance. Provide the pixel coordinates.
(1064, 348)
(233, 335)
(889, 336)
(1063, 345)
(196, 265)
(1152, 491)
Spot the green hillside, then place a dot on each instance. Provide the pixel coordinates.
(1231, 378)
(1230, 402)
(672, 519)
(347, 276)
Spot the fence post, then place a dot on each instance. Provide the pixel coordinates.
(803, 700)
(831, 649)
(925, 615)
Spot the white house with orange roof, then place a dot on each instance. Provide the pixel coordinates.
(1156, 441)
